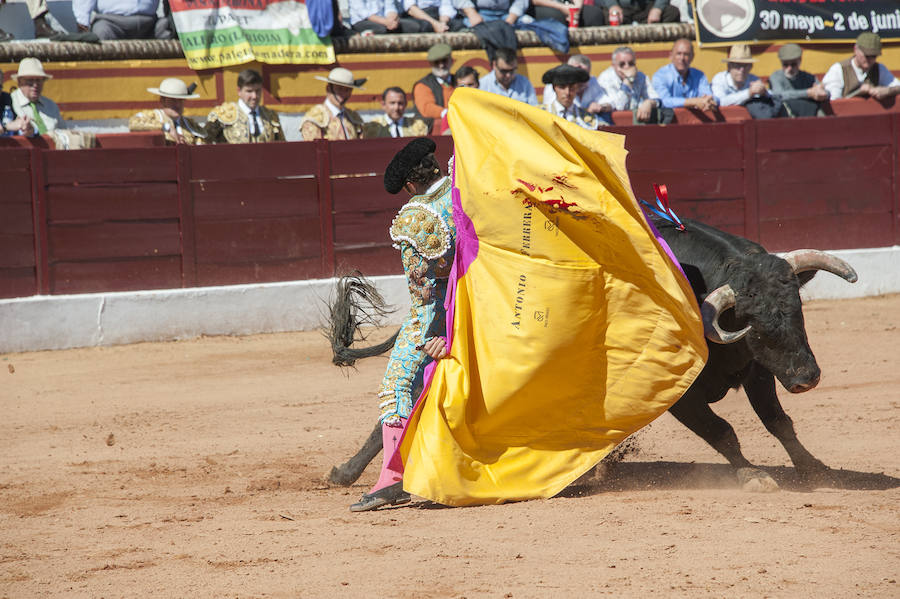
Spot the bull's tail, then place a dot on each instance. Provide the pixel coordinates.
(356, 303)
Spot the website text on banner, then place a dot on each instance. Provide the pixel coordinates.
(727, 21)
(221, 33)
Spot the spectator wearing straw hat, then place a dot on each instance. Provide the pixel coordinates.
(862, 74)
(10, 124)
(42, 114)
(169, 117)
(737, 86)
(800, 91)
(247, 120)
(332, 119)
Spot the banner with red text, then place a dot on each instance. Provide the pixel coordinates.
(220, 33)
(728, 21)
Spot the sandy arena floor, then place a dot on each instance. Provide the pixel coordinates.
(195, 469)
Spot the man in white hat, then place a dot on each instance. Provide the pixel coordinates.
(42, 113)
(247, 120)
(332, 119)
(736, 86)
(169, 117)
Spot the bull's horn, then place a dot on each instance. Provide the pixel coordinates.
(715, 303)
(804, 260)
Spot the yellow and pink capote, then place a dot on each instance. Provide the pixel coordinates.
(570, 325)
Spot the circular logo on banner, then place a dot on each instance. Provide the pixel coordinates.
(726, 18)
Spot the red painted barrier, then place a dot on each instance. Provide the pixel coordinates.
(165, 217)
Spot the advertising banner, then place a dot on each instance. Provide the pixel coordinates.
(220, 33)
(729, 21)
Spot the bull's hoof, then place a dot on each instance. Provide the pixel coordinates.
(340, 476)
(754, 480)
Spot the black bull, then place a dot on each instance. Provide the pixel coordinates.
(753, 320)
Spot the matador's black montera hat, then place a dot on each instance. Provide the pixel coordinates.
(565, 74)
(397, 173)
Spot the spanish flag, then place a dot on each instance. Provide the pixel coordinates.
(570, 326)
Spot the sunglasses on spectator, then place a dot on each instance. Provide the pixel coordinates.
(29, 82)
(622, 63)
(506, 71)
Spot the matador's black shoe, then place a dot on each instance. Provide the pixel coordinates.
(392, 495)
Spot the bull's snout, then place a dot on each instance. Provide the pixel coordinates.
(805, 385)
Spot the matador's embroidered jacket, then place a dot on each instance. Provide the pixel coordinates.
(424, 232)
(227, 123)
(157, 120)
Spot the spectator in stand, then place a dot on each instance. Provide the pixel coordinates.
(589, 96)
(438, 16)
(480, 11)
(629, 89)
(332, 119)
(800, 91)
(36, 114)
(556, 10)
(122, 19)
(10, 124)
(431, 93)
(45, 24)
(495, 22)
(629, 11)
(393, 123)
(504, 80)
(380, 17)
(568, 80)
(737, 86)
(244, 121)
(678, 85)
(169, 117)
(862, 74)
(467, 77)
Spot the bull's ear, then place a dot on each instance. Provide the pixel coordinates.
(806, 277)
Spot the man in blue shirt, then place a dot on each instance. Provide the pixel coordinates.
(504, 80)
(678, 85)
(121, 19)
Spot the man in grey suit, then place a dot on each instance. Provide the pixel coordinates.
(800, 92)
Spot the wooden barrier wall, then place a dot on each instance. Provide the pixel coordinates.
(168, 217)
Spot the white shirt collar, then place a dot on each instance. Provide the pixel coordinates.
(20, 100)
(860, 74)
(558, 109)
(335, 110)
(244, 107)
(435, 185)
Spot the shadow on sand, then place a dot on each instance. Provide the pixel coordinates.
(656, 476)
(647, 476)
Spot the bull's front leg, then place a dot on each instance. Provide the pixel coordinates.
(760, 389)
(694, 412)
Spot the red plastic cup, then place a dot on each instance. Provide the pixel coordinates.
(573, 17)
(615, 19)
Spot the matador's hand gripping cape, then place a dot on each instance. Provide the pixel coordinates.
(569, 324)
